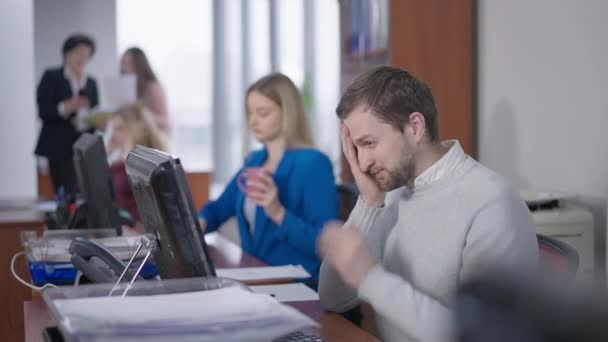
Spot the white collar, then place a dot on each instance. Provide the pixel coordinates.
(445, 165)
(80, 83)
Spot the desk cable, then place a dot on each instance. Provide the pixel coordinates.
(19, 279)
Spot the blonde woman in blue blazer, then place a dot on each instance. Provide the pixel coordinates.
(281, 210)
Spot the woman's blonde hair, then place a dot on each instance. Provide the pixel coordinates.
(281, 90)
(142, 126)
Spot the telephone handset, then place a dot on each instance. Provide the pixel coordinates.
(96, 263)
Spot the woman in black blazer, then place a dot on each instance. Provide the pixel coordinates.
(65, 93)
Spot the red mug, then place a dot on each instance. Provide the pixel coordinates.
(247, 174)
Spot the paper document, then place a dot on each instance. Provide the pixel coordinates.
(228, 314)
(287, 292)
(118, 91)
(263, 273)
(115, 92)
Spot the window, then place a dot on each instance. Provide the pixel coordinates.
(177, 38)
(206, 53)
(299, 38)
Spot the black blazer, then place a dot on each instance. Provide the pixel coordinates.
(58, 134)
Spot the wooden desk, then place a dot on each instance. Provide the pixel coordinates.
(15, 217)
(225, 254)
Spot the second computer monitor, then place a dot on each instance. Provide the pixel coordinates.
(95, 182)
(165, 205)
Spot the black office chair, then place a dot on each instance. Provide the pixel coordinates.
(347, 198)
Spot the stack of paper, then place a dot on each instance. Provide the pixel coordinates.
(228, 314)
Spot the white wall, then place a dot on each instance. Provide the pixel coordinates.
(17, 101)
(31, 36)
(55, 20)
(543, 97)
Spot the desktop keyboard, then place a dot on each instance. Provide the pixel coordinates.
(299, 337)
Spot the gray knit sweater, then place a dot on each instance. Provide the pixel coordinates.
(429, 241)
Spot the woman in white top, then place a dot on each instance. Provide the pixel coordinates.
(149, 90)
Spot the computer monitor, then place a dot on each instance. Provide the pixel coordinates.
(166, 209)
(95, 183)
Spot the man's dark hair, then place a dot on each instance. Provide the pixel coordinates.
(75, 40)
(392, 94)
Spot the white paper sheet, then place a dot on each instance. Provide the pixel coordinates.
(118, 91)
(264, 273)
(287, 292)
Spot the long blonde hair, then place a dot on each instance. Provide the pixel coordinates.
(281, 90)
(142, 126)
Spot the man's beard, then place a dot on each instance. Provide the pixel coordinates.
(403, 175)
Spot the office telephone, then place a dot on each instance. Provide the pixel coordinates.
(96, 263)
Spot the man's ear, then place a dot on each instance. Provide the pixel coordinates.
(417, 126)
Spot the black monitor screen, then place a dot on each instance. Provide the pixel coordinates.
(95, 182)
(165, 205)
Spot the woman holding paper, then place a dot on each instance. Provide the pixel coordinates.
(149, 90)
(64, 96)
(285, 192)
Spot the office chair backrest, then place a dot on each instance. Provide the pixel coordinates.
(556, 255)
(347, 198)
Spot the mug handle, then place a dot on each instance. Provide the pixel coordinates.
(241, 180)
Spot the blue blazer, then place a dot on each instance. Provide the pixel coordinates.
(306, 187)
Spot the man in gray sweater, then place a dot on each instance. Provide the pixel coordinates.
(429, 216)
